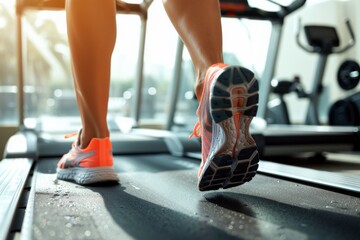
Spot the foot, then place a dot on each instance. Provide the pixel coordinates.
(94, 164)
(227, 106)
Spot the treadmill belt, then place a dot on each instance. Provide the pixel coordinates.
(158, 199)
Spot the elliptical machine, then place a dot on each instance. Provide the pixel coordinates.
(324, 41)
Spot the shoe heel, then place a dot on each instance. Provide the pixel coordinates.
(233, 104)
(234, 91)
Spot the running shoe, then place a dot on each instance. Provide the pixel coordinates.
(94, 164)
(227, 106)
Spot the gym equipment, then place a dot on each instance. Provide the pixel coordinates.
(284, 139)
(277, 109)
(346, 112)
(348, 75)
(159, 198)
(324, 41)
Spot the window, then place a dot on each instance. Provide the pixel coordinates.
(8, 65)
(50, 101)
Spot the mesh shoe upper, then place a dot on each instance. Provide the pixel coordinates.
(97, 154)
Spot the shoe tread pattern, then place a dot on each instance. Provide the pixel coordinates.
(227, 169)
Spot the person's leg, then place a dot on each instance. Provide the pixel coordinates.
(91, 32)
(227, 97)
(199, 26)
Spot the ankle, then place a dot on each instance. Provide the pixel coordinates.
(87, 135)
(201, 73)
(199, 83)
(198, 89)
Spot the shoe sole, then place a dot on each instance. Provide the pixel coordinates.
(85, 176)
(233, 156)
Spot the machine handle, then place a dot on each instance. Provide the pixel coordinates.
(286, 10)
(293, 6)
(299, 43)
(351, 41)
(242, 9)
(348, 24)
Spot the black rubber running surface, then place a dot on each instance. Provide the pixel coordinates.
(158, 199)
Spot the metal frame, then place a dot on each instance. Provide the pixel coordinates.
(174, 94)
(270, 66)
(334, 181)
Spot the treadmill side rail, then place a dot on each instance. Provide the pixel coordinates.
(344, 183)
(13, 175)
(290, 140)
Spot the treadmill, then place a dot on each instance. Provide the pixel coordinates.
(273, 140)
(157, 197)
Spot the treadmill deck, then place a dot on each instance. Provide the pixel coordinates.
(157, 198)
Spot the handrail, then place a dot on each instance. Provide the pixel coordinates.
(242, 9)
(349, 44)
(121, 6)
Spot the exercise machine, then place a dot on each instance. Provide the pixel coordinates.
(157, 197)
(322, 40)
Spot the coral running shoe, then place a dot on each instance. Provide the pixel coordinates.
(94, 164)
(227, 105)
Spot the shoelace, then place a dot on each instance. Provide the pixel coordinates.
(196, 131)
(76, 143)
(70, 135)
